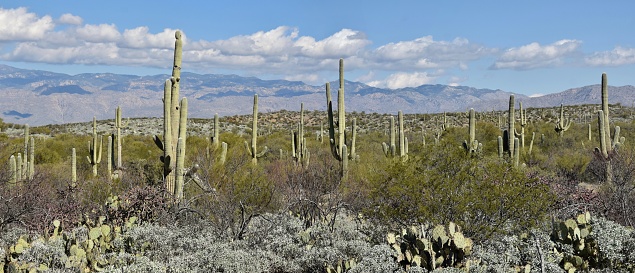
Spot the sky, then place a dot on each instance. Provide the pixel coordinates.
(527, 47)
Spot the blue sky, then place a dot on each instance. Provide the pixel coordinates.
(528, 47)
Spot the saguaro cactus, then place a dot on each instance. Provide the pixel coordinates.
(403, 141)
(511, 129)
(338, 148)
(473, 146)
(13, 171)
(73, 168)
(118, 126)
(253, 151)
(216, 135)
(174, 122)
(109, 157)
(94, 150)
(605, 107)
(390, 150)
(523, 123)
(562, 125)
(603, 151)
(299, 150)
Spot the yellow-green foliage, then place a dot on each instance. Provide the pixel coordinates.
(485, 196)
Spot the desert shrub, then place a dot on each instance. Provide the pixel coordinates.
(617, 199)
(485, 196)
(145, 203)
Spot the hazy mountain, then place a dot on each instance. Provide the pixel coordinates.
(41, 97)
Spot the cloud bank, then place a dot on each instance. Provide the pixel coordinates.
(282, 52)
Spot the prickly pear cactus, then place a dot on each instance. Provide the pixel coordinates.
(441, 246)
(574, 240)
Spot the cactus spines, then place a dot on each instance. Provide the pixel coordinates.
(94, 150)
(473, 146)
(561, 125)
(253, 150)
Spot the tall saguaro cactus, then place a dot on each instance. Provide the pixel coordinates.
(118, 126)
(216, 135)
(511, 132)
(300, 152)
(253, 150)
(338, 147)
(605, 108)
(603, 151)
(13, 170)
(73, 168)
(94, 149)
(473, 146)
(523, 123)
(174, 124)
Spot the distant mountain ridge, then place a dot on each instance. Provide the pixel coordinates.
(40, 97)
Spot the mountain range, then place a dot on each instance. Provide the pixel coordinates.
(41, 97)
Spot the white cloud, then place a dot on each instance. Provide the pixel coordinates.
(616, 57)
(344, 43)
(426, 53)
(306, 78)
(69, 19)
(20, 25)
(103, 33)
(403, 79)
(456, 81)
(535, 55)
(141, 38)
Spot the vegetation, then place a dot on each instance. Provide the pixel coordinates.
(470, 198)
